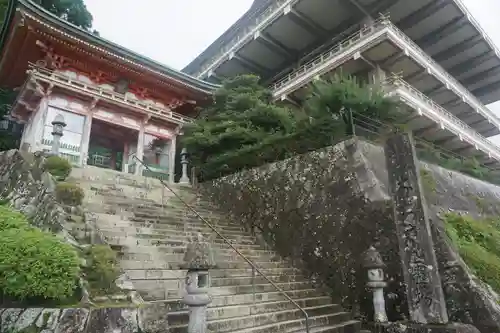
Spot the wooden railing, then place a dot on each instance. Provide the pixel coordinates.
(111, 96)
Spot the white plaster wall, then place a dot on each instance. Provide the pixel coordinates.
(33, 130)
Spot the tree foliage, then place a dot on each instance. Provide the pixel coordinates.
(73, 11)
(241, 116)
(344, 97)
(243, 128)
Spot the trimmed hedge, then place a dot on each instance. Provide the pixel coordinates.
(58, 167)
(69, 194)
(103, 269)
(34, 264)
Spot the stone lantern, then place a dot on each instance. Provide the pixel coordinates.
(184, 162)
(374, 266)
(57, 132)
(198, 260)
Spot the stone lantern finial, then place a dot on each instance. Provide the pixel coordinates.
(373, 263)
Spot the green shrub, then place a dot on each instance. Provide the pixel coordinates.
(102, 270)
(69, 194)
(11, 219)
(59, 167)
(478, 242)
(35, 264)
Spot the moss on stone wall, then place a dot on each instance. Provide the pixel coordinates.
(428, 181)
(478, 242)
(311, 210)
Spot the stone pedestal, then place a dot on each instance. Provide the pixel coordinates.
(426, 302)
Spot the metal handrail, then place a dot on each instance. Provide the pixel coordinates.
(475, 138)
(379, 25)
(214, 229)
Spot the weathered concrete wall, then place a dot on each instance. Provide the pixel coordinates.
(325, 208)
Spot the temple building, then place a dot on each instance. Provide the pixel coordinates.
(116, 104)
(430, 54)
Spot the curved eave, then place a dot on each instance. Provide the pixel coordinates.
(101, 44)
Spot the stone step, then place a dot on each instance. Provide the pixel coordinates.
(155, 236)
(132, 264)
(167, 227)
(178, 285)
(91, 173)
(140, 197)
(228, 311)
(179, 257)
(174, 220)
(244, 299)
(99, 205)
(175, 289)
(167, 215)
(318, 324)
(350, 326)
(215, 273)
(256, 322)
(219, 248)
(130, 242)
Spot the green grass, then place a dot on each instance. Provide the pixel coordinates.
(478, 242)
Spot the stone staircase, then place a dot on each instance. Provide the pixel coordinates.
(150, 229)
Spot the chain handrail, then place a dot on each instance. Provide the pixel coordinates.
(469, 131)
(100, 92)
(228, 242)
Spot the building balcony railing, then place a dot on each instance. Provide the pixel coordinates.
(426, 106)
(275, 9)
(95, 91)
(362, 40)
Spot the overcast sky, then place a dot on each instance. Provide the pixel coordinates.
(174, 32)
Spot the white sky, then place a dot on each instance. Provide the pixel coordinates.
(174, 32)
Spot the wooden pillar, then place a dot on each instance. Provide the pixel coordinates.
(84, 148)
(87, 128)
(125, 157)
(171, 159)
(113, 160)
(140, 150)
